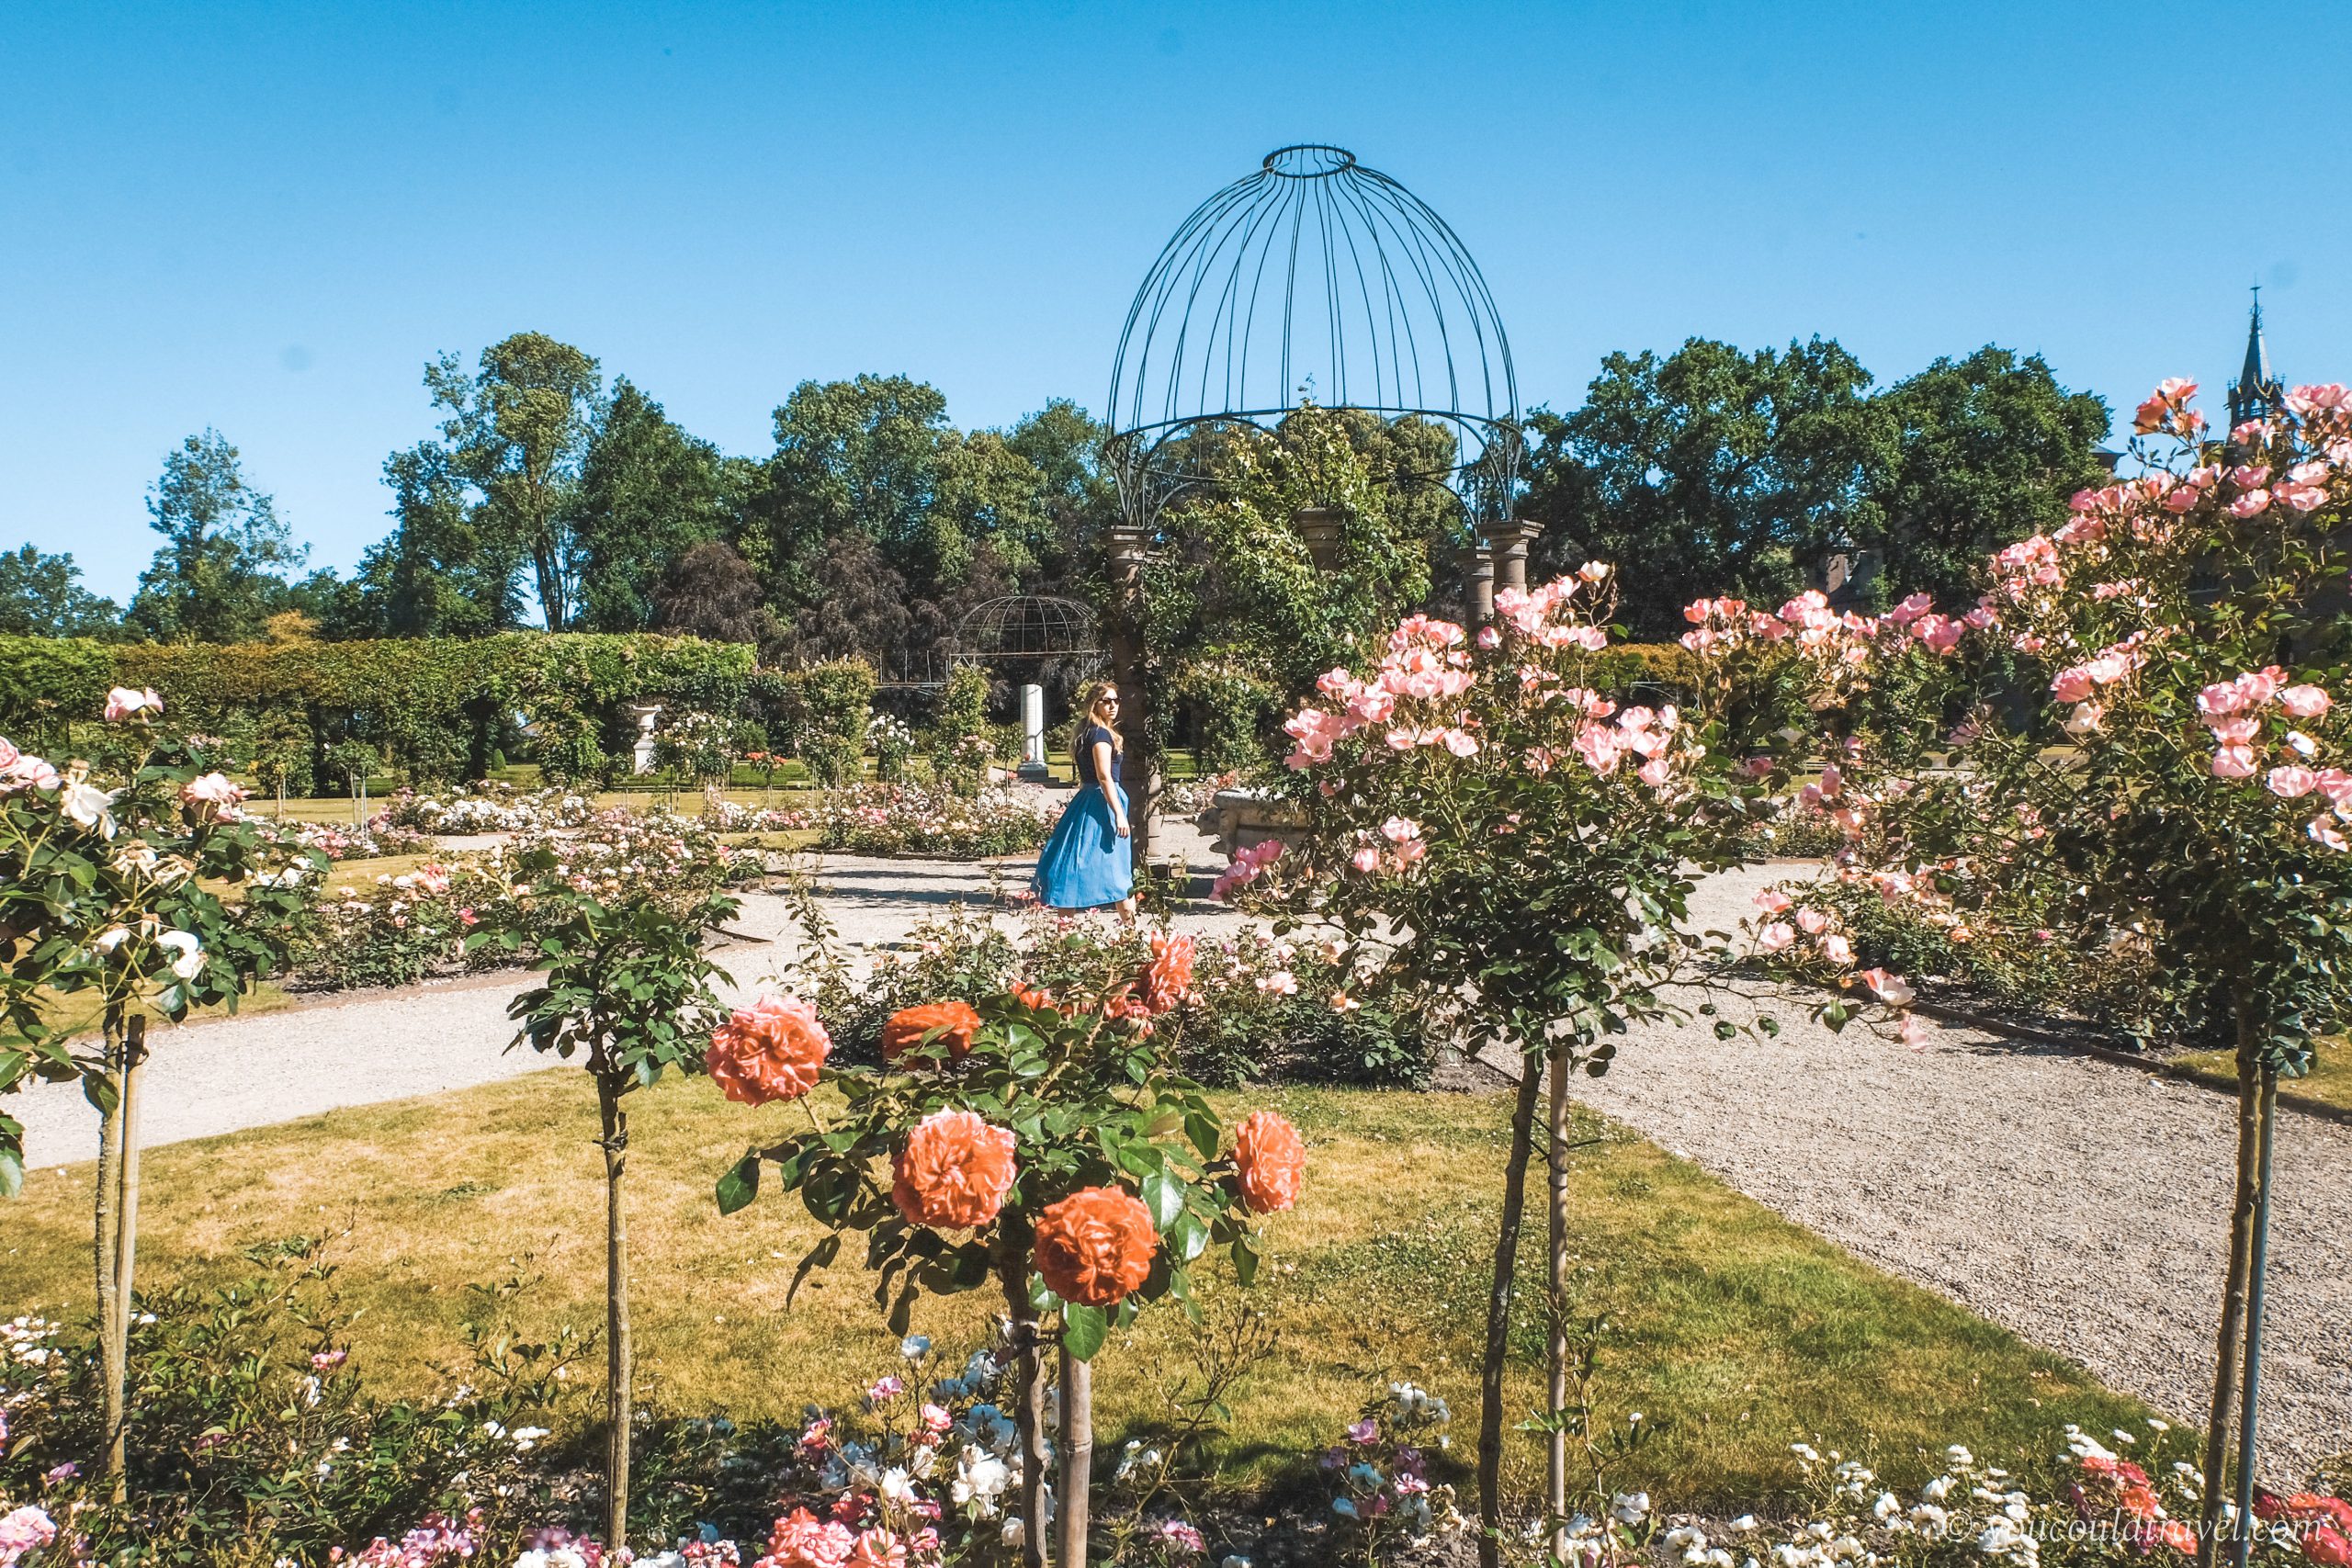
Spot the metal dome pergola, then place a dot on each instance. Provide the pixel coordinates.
(1028, 629)
(1313, 273)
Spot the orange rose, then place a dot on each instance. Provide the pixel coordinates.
(909, 1025)
(768, 1051)
(1168, 978)
(1271, 1162)
(1095, 1245)
(953, 1172)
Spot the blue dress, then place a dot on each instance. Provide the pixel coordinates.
(1086, 864)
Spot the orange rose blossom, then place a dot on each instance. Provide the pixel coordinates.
(769, 1051)
(953, 1172)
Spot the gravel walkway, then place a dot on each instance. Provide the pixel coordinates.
(231, 1074)
(2083, 1206)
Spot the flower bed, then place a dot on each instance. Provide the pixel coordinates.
(900, 819)
(398, 930)
(488, 808)
(381, 838)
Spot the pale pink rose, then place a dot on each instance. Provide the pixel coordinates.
(2261, 686)
(2108, 669)
(2302, 498)
(2233, 762)
(1398, 830)
(8, 753)
(1489, 638)
(1911, 609)
(2085, 718)
(2334, 783)
(2220, 697)
(1838, 949)
(1891, 990)
(1594, 572)
(1771, 901)
(2323, 831)
(2236, 731)
(1366, 859)
(1776, 937)
(1410, 852)
(1914, 1032)
(123, 702)
(1813, 923)
(1281, 983)
(1461, 743)
(208, 792)
(2306, 701)
(1656, 772)
(2253, 503)
(1599, 748)
(2291, 783)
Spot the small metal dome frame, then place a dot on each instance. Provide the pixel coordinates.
(1312, 274)
(1026, 628)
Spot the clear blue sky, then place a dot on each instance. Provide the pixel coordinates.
(266, 218)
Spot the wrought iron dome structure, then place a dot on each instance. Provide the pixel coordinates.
(1033, 628)
(1318, 273)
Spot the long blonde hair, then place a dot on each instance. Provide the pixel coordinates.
(1088, 714)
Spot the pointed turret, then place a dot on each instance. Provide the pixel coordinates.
(2257, 393)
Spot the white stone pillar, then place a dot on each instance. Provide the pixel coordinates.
(1032, 733)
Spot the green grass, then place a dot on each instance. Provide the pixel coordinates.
(2328, 1083)
(1734, 1330)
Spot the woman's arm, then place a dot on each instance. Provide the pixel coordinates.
(1109, 790)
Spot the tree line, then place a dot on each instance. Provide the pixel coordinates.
(545, 497)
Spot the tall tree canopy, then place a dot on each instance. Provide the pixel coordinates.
(517, 429)
(218, 575)
(1987, 449)
(41, 595)
(1709, 470)
(648, 495)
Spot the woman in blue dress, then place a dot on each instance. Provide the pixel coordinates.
(1089, 862)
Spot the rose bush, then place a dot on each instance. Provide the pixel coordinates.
(1059, 1155)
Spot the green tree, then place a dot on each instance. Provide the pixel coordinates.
(869, 474)
(517, 429)
(439, 572)
(217, 577)
(41, 595)
(648, 493)
(1988, 449)
(1709, 471)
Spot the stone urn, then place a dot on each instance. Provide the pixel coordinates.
(1237, 818)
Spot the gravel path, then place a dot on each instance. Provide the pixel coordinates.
(231, 1074)
(2083, 1206)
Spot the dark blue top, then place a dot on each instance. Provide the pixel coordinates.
(1086, 744)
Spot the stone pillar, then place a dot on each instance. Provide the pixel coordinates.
(642, 750)
(1322, 528)
(1033, 733)
(1478, 583)
(1508, 541)
(1130, 544)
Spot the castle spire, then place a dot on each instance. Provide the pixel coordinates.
(2257, 393)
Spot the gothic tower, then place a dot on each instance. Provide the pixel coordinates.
(2257, 393)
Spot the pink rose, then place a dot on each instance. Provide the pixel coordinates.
(1891, 990)
(1837, 948)
(2253, 503)
(8, 753)
(1813, 923)
(1771, 901)
(2323, 831)
(2233, 762)
(1656, 772)
(1776, 937)
(2306, 701)
(2291, 783)
(122, 703)
(1366, 859)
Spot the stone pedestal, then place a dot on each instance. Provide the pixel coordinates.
(1032, 735)
(1478, 583)
(1507, 542)
(641, 749)
(1237, 818)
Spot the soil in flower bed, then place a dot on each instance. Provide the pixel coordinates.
(1731, 1330)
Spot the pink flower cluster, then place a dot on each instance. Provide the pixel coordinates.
(1425, 662)
(1249, 862)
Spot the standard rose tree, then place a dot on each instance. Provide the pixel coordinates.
(110, 889)
(1516, 842)
(1043, 1144)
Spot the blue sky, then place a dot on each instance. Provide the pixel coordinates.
(266, 218)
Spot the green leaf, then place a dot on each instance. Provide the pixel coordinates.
(1163, 1195)
(1083, 1330)
(11, 1173)
(740, 1185)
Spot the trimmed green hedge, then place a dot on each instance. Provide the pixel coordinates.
(436, 706)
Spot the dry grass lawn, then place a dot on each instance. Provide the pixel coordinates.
(1734, 1330)
(2328, 1083)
